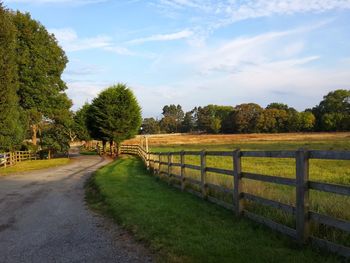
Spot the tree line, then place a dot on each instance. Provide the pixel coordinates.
(331, 114)
(35, 110)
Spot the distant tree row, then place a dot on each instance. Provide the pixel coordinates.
(32, 99)
(332, 114)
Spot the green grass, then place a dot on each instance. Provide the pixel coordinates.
(329, 171)
(26, 166)
(180, 227)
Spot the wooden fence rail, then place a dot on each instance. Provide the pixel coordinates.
(11, 158)
(301, 211)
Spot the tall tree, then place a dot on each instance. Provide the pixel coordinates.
(114, 115)
(11, 127)
(80, 123)
(173, 117)
(246, 117)
(333, 112)
(150, 126)
(40, 63)
(189, 122)
(214, 118)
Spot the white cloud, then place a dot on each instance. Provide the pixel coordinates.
(273, 66)
(240, 53)
(219, 13)
(163, 37)
(84, 91)
(69, 40)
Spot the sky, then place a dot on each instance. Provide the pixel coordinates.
(200, 52)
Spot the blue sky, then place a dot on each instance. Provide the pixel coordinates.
(199, 52)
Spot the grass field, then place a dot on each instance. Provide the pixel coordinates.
(26, 166)
(329, 171)
(180, 227)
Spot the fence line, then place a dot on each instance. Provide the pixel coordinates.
(302, 184)
(11, 158)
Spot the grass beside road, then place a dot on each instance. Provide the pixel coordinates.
(27, 166)
(327, 171)
(180, 227)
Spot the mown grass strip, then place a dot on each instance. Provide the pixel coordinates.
(27, 166)
(182, 228)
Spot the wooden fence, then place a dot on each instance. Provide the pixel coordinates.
(301, 212)
(11, 158)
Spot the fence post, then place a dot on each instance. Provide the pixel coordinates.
(170, 160)
(148, 158)
(159, 165)
(203, 174)
(237, 183)
(182, 174)
(302, 196)
(5, 164)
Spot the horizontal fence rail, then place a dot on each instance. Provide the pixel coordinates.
(161, 163)
(11, 158)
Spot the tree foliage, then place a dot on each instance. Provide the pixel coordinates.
(246, 117)
(333, 112)
(11, 124)
(114, 115)
(80, 123)
(150, 126)
(40, 64)
(32, 90)
(173, 117)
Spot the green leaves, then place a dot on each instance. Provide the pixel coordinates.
(114, 115)
(333, 112)
(11, 124)
(31, 89)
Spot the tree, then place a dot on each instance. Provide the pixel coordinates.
(246, 117)
(40, 63)
(215, 118)
(273, 120)
(189, 122)
(277, 106)
(150, 126)
(11, 124)
(333, 112)
(114, 115)
(306, 121)
(80, 123)
(173, 117)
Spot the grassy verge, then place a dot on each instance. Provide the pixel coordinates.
(328, 171)
(33, 165)
(181, 227)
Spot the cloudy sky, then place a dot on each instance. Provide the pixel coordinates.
(199, 52)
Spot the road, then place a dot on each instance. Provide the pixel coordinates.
(43, 218)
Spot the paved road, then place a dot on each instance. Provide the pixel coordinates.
(43, 218)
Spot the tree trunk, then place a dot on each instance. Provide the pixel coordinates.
(34, 133)
(111, 148)
(118, 149)
(104, 147)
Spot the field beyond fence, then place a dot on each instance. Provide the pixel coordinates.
(291, 210)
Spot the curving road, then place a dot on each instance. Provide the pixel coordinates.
(43, 218)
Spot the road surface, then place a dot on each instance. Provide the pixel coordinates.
(43, 218)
